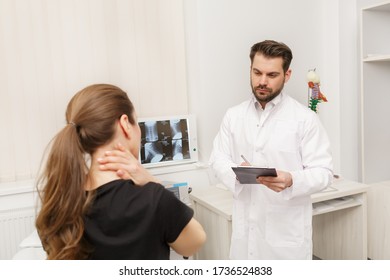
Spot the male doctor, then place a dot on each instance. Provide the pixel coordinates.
(272, 219)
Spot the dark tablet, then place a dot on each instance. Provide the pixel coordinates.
(249, 174)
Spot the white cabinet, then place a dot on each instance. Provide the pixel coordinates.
(379, 221)
(213, 209)
(339, 221)
(375, 93)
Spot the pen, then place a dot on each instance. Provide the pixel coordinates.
(245, 160)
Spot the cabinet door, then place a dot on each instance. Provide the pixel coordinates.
(379, 221)
(218, 230)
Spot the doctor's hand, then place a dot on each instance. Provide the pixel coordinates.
(125, 165)
(277, 184)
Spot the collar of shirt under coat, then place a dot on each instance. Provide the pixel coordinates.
(263, 114)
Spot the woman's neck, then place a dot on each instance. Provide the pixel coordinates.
(97, 177)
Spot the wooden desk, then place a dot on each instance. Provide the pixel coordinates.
(339, 221)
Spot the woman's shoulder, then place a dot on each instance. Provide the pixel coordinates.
(124, 186)
(122, 194)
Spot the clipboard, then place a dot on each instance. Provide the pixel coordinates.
(249, 174)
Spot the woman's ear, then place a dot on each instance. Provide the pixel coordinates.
(125, 126)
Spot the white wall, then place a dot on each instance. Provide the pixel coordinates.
(49, 50)
(218, 36)
(349, 89)
(321, 34)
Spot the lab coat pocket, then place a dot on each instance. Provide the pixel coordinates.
(285, 226)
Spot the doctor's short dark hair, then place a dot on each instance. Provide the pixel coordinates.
(273, 49)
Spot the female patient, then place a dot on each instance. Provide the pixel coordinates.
(90, 213)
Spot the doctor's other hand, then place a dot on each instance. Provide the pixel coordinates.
(125, 165)
(277, 184)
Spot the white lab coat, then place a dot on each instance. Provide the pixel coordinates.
(289, 137)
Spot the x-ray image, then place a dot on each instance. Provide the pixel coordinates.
(177, 149)
(165, 140)
(180, 149)
(153, 152)
(179, 129)
(176, 129)
(164, 130)
(150, 130)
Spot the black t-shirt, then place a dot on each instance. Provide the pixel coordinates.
(131, 222)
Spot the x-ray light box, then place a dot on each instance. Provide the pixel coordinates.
(168, 140)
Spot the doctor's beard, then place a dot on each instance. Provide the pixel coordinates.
(266, 98)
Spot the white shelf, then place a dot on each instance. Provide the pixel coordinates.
(176, 168)
(385, 6)
(334, 205)
(377, 58)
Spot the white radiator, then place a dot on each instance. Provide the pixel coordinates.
(15, 225)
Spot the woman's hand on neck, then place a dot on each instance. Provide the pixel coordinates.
(97, 177)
